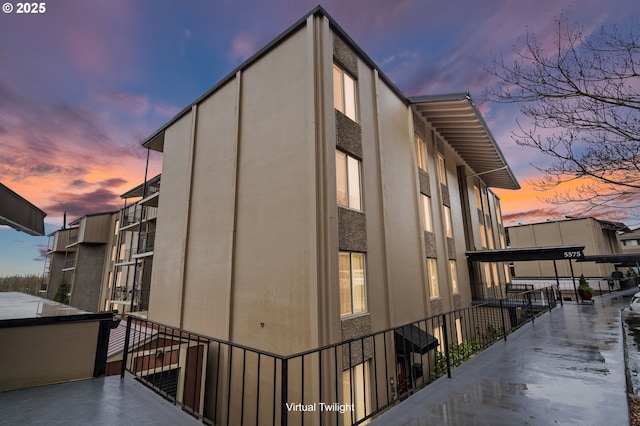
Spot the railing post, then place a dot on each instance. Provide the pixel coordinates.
(560, 294)
(446, 344)
(533, 317)
(284, 382)
(125, 351)
(504, 326)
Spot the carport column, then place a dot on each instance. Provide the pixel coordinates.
(555, 268)
(573, 278)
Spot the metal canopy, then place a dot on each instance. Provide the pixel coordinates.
(529, 253)
(19, 213)
(625, 259)
(458, 120)
(410, 338)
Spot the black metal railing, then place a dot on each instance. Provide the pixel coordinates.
(348, 382)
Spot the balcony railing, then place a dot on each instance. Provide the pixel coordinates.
(343, 383)
(147, 241)
(70, 262)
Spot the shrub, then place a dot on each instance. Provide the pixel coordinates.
(62, 295)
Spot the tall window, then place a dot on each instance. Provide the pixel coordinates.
(348, 181)
(454, 276)
(448, 227)
(496, 277)
(432, 271)
(344, 92)
(487, 275)
(459, 330)
(476, 190)
(437, 333)
(421, 153)
(355, 388)
(353, 298)
(490, 237)
(498, 212)
(483, 236)
(427, 223)
(442, 170)
(507, 272)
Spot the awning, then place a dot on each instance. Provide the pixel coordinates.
(410, 338)
(622, 259)
(19, 213)
(457, 119)
(528, 253)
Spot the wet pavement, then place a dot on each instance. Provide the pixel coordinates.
(631, 328)
(567, 368)
(105, 401)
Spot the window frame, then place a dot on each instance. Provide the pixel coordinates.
(432, 278)
(352, 288)
(442, 170)
(340, 103)
(421, 153)
(427, 216)
(448, 224)
(350, 187)
(453, 274)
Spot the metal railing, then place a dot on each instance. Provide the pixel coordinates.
(345, 383)
(147, 241)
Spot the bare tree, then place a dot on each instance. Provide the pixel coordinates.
(582, 99)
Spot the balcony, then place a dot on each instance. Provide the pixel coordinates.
(47, 343)
(146, 242)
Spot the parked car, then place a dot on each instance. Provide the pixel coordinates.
(635, 303)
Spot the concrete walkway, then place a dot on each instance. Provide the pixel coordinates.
(565, 369)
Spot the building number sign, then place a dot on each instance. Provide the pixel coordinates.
(573, 254)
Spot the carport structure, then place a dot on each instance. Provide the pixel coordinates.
(555, 253)
(20, 214)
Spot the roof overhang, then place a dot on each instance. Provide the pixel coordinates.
(528, 253)
(623, 259)
(19, 213)
(459, 121)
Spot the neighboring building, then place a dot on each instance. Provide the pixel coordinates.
(600, 237)
(306, 200)
(126, 284)
(630, 241)
(77, 256)
(106, 257)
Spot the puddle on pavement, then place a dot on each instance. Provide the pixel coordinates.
(488, 393)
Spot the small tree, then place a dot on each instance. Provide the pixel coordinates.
(62, 295)
(584, 285)
(581, 96)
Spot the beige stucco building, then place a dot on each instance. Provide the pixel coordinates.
(599, 237)
(306, 200)
(630, 241)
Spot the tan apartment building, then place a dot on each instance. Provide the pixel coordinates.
(126, 282)
(630, 241)
(599, 237)
(306, 200)
(106, 257)
(77, 255)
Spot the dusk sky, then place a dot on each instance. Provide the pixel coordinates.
(82, 84)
